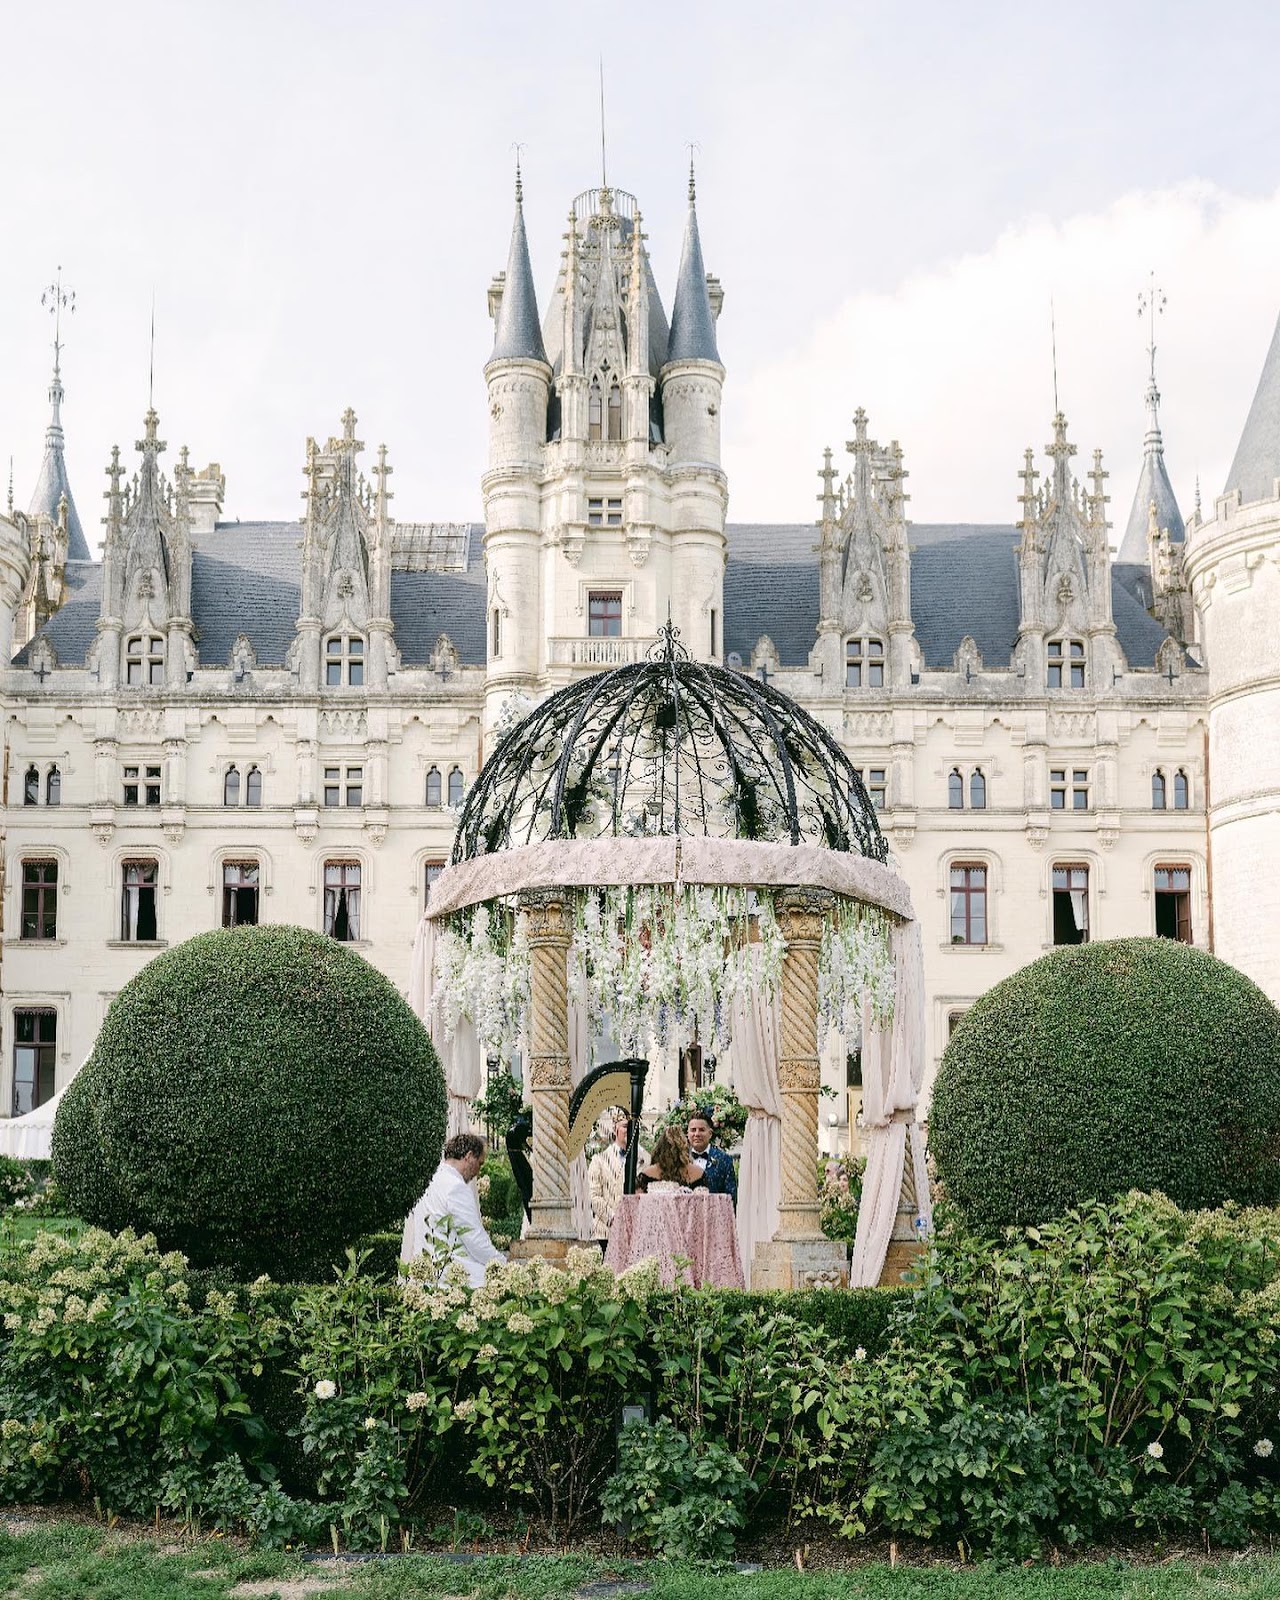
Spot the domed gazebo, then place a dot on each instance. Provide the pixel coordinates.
(689, 840)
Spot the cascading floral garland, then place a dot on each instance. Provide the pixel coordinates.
(656, 962)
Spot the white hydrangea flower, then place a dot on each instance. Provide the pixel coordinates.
(1263, 1448)
(860, 1354)
(466, 1323)
(1155, 1450)
(417, 1401)
(326, 1389)
(518, 1322)
(464, 1410)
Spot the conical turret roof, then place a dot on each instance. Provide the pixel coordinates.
(1153, 488)
(1257, 461)
(52, 485)
(693, 327)
(518, 334)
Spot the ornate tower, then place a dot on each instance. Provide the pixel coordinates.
(864, 560)
(146, 574)
(1232, 564)
(604, 497)
(53, 486)
(1064, 564)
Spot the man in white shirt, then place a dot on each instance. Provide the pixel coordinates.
(606, 1173)
(448, 1215)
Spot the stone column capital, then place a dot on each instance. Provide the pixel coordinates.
(550, 914)
(802, 913)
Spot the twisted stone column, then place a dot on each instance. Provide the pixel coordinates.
(801, 916)
(550, 922)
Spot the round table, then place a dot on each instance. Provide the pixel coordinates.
(694, 1225)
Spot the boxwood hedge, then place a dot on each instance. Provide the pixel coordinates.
(1128, 1064)
(260, 1097)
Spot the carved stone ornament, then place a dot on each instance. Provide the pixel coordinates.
(102, 832)
(639, 539)
(817, 1279)
(549, 1072)
(803, 1076)
(802, 912)
(1108, 838)
(174, 831)
(1037, 837)
(376, 833)
(306, 828)
(550, 917)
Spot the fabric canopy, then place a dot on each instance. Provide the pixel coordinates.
(460, 1058)
(30, 1137)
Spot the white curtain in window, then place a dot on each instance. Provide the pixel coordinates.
(1080, 909)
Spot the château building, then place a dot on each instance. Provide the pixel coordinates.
(223, 722)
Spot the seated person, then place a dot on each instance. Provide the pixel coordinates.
(606, 1172)
(671, 1164)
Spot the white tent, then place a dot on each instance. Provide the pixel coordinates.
(30, 1138)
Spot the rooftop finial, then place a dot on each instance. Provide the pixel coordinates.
(604, 168)
(151, 358)
(1197, 497)
(11, 488)
(518, 147)
(1151, 304)
(692, 146)
(58, 298)
(1053, 341)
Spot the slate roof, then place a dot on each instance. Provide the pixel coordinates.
(1257, 461)
(693, 327)
(964, 580)
(53, 483)
(1153, 486)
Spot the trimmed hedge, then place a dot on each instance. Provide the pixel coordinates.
(260, 1097)
(1128, 1064)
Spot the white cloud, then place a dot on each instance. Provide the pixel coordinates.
(955, 361)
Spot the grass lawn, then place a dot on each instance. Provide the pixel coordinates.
(15, 1227)
(68, 1560)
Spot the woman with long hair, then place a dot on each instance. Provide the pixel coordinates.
(671, 1164)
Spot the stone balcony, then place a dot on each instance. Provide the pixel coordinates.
(578, 652)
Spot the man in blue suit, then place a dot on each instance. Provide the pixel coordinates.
(718, 1166)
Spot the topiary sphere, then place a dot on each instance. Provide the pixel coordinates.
(260, 1097)
(1129, 1064)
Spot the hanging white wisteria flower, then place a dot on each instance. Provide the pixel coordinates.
(657, 962)
(482, 973)
(856, 959)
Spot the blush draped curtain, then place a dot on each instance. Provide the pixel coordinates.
(460, 1057)
(892, 1076)
(755, 1052)
(579, 1061)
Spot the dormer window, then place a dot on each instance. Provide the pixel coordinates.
(1066, 664)
(604, 410)
(615, 411)
(144, 661)
(864, 664)
(344, 661)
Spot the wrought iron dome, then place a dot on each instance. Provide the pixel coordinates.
(668, 746)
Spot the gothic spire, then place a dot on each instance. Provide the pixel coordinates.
(1154, 494)
(693, 327)
(517, 334)
(1257, 460)
(53, 485)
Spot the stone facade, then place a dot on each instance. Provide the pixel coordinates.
(221, 720)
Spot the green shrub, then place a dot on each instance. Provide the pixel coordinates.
(1131, 1064)
(261, 1097)
(681, 1496)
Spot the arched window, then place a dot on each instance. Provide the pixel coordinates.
(344, 661)
(433, 787)
(495, 638)
(1159, 795)
(595, 411)
(1181, 791)
(455, 787)
(31, 787)
(977, 790)
(253, 787)
(231, 787)
(144, 661)
(53, 788)
(615, 411)
(955, 790)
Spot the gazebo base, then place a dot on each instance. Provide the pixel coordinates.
(902, 1257)
(543, 1248)
(800, 1264)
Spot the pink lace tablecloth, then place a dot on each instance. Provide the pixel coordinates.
(697, 1225)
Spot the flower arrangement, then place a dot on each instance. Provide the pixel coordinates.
(728, 1114)
(839, 1193)
(482, 973)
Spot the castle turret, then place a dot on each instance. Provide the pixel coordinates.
(1232, 563)
(53, 485)
(692, 387)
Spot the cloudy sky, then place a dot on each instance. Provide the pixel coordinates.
(319, 194)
